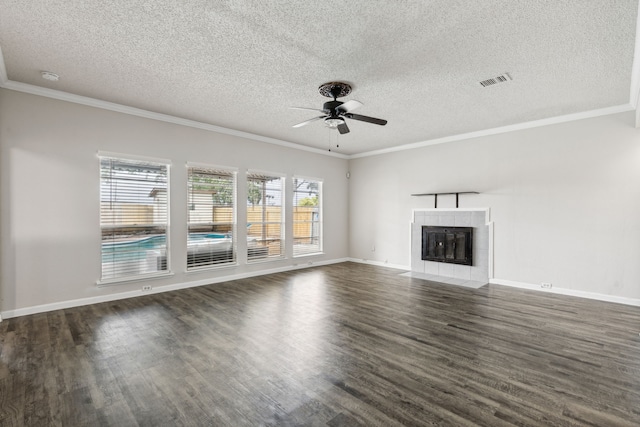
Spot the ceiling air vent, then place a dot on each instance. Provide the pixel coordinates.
(495, 80)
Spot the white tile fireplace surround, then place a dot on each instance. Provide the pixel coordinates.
(475, 275)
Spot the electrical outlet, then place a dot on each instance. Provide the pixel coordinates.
(373, 248)
(545, 285)
(146, 288)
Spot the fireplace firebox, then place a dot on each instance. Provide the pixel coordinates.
(447, 244)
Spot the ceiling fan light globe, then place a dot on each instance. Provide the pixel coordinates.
(333, 122)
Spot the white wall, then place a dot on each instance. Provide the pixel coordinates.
(565, 200)
(49, 194)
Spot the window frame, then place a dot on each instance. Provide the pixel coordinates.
(132, 160)
(282, 223)
(224, 170)
(319, 221)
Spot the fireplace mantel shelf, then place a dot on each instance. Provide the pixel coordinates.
(457, 193)
(441, 194)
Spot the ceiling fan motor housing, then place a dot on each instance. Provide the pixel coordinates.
(330, 108)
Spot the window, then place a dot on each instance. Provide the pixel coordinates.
(212, 217)
(134, 217)
(307, 216)
(265, 216)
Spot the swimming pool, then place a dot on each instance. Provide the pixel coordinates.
(139, 249)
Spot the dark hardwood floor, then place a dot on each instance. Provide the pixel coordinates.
(340, 345)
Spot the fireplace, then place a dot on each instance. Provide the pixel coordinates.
(477, 270)
(447, 244)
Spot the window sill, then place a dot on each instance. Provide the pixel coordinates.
(123, 280)
(266, 260)
(307, 255)
(211, 268)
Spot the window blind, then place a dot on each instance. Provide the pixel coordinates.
(307, 216)
(211, 218)
(133, 217)
(265, 216)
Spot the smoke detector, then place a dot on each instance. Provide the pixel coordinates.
(48, 75)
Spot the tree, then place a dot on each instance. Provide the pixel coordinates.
(311, 189)
(312, 186)
(255, 192)
(309, 201)
(220, 188)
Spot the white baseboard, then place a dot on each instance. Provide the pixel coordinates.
(570, 292)
(156, 290)
(380, 264)
(132, 294)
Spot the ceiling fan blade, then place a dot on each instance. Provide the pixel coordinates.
(307, 109)
(367, 119)
(343, 128)
(349, 106)
(306, 122)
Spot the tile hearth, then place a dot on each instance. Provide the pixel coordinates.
(475, 284)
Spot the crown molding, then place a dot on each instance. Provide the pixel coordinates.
(111, 106)
(504, 129)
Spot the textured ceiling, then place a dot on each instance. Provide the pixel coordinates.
(241, 64)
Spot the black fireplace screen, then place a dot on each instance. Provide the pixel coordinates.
(447, 244)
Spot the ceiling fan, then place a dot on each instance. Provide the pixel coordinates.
(335, 112)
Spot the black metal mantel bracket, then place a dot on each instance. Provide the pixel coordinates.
(457, 193)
